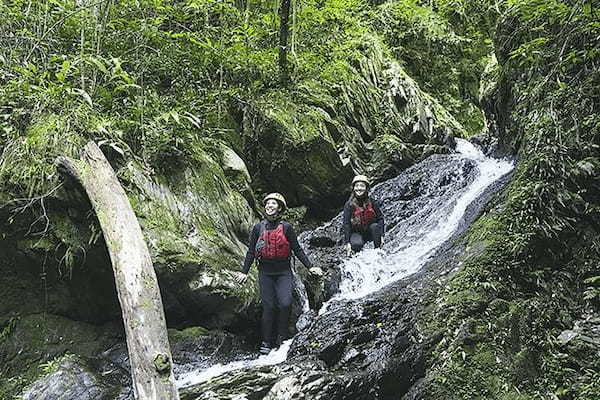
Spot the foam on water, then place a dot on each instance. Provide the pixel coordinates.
(274, 357)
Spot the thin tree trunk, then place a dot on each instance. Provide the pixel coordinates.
(137, 286)
(284, 14)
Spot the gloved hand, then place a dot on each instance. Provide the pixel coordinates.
(241, 278)
(348, 249)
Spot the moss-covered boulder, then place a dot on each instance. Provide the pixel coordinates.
(30, 344)
(73, 377)
(290, 150)
(195, 225)
(307, 143)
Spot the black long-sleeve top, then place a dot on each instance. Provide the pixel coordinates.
(274, 266)
(347, 218)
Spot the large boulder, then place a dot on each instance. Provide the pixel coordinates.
(195, 224)
(31, 345)
(73, 377)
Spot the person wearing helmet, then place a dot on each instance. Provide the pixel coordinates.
(271, 242)
(362, 220)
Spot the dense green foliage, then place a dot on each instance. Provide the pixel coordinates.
(445, 47)
(534, 263)
(161, 82)
(163, 85)
(148, 76)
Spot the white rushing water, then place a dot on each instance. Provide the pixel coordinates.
(274, 357)
(372, 269)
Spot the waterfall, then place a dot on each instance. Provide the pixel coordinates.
(413, 241)
(408, 245)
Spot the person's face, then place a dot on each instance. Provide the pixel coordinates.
(360, 188)
(272, 207)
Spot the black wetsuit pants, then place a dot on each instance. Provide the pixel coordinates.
(276, 295)
(358, 239)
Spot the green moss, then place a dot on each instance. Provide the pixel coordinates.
(300, 123)
(467, 302)
(177, 336)
(26, 167)
(36, 345)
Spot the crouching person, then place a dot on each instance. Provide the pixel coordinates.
(362, 219)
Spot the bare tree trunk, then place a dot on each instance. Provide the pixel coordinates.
(137, 286)
(284, 15)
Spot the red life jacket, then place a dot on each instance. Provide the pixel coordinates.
(272, 244)
(363, 216)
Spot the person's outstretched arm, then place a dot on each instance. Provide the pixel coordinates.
(295, 246)
(379, 218)
(251, 248)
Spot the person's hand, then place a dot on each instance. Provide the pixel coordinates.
(348, 249)
(241, 278)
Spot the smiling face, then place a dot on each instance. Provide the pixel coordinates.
(272, 208)
(360, 188)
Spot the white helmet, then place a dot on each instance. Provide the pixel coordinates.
(361, 178)
(277, 197)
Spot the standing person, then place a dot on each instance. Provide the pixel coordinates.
(271, 242)
(362, 220)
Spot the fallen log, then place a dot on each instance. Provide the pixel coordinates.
(137, 286)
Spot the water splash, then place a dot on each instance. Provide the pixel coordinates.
(276, 356)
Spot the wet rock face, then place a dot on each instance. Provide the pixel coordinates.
(305, 378)
(196, 348)
(40, 339)
(71, 380)
(107, 375)
(75, 378)
(365, 349)
(372, 341)
(195, 225)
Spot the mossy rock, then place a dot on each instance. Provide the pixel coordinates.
(74, 377)
(197, 346)
(390, 156)
(195, 225)
(290, 150)
(307, 144)
(32, 341)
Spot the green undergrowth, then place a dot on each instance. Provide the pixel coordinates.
(533, 278)
(151, 78)
(163, 85)
(159, 82)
